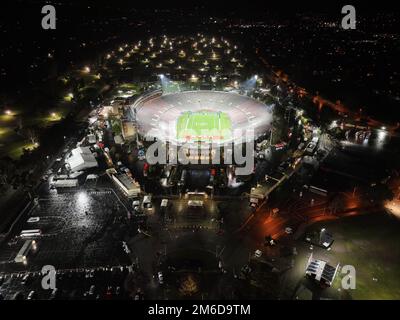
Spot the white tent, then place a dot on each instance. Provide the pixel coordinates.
(81, 158)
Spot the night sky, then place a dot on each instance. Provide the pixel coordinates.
(87, 28)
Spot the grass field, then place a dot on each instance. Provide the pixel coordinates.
(370, 243)
(203, 126)
(11, 143)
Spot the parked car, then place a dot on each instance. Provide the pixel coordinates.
(136, 205)
(288, 230)
(109, 293)
(54, 294)
(92, 290)
(31, 295)
(25, 279)
(246, 270)
(160, 277)
(258, 253)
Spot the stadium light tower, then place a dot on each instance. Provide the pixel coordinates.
(86, 69)
(164, 81)
(250, 84)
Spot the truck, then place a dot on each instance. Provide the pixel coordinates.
(66, 183)
(182, 180)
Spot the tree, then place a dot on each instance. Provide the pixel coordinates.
(29, 133)
(188, 286)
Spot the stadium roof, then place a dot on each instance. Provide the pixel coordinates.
(157, 114)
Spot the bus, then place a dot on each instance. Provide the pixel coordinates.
(319, 191)
(24, 251)
(30, 233)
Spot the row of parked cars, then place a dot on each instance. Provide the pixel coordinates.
(104, 283)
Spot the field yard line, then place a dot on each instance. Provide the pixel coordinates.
(187, 122)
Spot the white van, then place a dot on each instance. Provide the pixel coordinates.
(146, 204)
(164, 203)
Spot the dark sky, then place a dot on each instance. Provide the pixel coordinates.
(24, 42)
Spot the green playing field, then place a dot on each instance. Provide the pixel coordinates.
(204, 126)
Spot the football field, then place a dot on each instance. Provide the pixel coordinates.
(203, 126)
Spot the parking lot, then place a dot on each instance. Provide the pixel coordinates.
(78, 229)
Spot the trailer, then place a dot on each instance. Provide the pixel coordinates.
(65, 183)
(22, 254)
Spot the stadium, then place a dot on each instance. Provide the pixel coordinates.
(200, 116)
